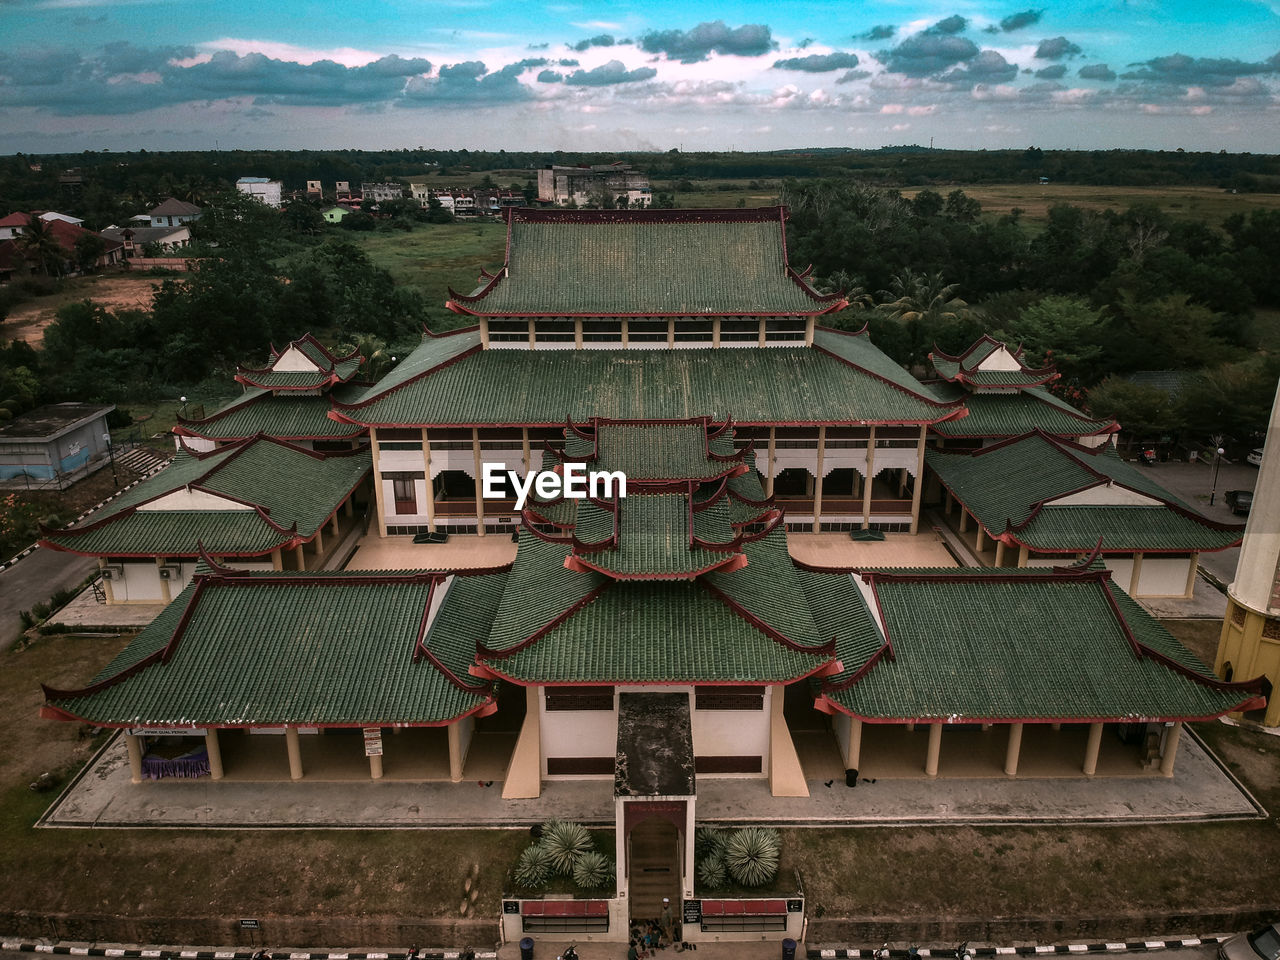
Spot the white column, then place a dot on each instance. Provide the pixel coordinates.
(295, 752)
(770, 468)
(866, 487)
(854, 760)
(918, 490)
(133, 744)
(214, 751)
(475, 451)
(935, 750)
(1135, 574)
(1014, 748)
(1091, 749)
(817, 483)
(378, 500)
(455, 753)
(430, 484)
(1170, 749)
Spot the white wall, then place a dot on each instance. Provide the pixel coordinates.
(186, 499)
(577, 733)
(1163, 576)
(1104, 494)
(733, 733)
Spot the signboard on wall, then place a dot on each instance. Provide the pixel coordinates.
(373, 741)
(693, 911)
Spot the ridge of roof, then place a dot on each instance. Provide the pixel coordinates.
(898, 381)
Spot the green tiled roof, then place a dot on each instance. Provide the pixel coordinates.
(286, 417)
(1003, 486)
(539, 588)
(687, 263)
(751, 385)
(329, 368)
(321, 650)
(1016, 413)
(260, 473)
(768, 588)
(656, 632)
(431, 352)
(653, 451)
(1037, 646)
(964, 368)
(653, 537)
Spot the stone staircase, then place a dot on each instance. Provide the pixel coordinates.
(655, 873)
(142, 460)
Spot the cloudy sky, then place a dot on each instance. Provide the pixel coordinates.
(522, 74)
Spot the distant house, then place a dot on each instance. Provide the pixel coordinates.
(378, 192)
(261, 189)
(335, 213)
(173, 213)
(314, 191)
(133, 239)
(584, 186)
(58, 444)
(15, 224)
(64, 232)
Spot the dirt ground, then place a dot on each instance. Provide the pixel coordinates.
(115, 291)
(1200, 636)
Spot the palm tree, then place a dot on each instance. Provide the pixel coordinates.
(41, 247)
(921, 302)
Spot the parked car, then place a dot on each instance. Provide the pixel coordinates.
(1262, 944)
(1239, 501)
(1254, 459)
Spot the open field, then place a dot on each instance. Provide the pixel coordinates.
(433, 257)
(116, 291)
(884, 873)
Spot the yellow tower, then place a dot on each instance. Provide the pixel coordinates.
(1250, 643)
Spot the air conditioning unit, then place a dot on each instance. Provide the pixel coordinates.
(113, 572)
(170, 572)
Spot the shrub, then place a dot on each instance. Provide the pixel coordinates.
(709, 841)
(751, 856)
(565, 843)
(712, 873)
(534, 867)
(593, 870)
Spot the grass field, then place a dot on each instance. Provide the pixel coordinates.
(885, 873)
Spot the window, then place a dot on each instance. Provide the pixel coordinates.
(404, 491)
(728, 698)
(579, 698)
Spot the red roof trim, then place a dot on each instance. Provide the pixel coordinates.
(487, 654)
(339, 406)
(956, 406)
(828, 648)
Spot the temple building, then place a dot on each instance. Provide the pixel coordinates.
(1006, 398)
(289, 399)
(655, 634)
(256, 504)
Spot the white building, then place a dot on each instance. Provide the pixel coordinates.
(261, 189)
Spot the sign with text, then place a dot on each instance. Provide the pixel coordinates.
(373, 741)
(248, 924)
(693, 911)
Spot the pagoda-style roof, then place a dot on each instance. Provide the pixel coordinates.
(287, 417)
(990, 364)
(304, 364)
(1011, 414)
(1056, 644)
(1054, 496)
(555, 624)
(843, 378)
(267, 649)
(665, 263)
(683, 515)
(244, 499)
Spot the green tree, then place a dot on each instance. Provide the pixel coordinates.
(924, 305)
(89, 248)
(1232, 399)
(1141, 410)
(1171, 333)
(41, 247)
(1061, 330)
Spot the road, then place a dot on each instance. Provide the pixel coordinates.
(33, 580)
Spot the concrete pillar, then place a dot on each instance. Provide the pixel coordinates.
(854, 760)
(349, 506)
(299, 557)
(455, 753)
(786, 775)
(809, 323)
(277, 560)
(577, 333)
(671, 332)
(1012, 751)
(871, 475)
(1192, 568)
(333, 523)
(625, 340)
(911, 726)
(533, 336)
(1135, 574)
(980, 539)
(817, 484)
(475, 452)
(947, 501)
(318, 543)
(1170, 749)
(430, 484)
(1091, 749)
(524, 771)
(760, 338)
(525, 457)
(918, 491)
(212, 748)
(133, 744)
(295, 752)
(999, 553)
(165, 593)
(1024, 555)
(375, 767)
(715, 332)
(1055, 727)
(379, 502)
(964, 520)
(935, 749)
(484, 333)
(770, 468)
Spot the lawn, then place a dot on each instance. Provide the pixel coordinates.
(433, 257)
(881, 873)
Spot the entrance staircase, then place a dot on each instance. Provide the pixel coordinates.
(655, 873)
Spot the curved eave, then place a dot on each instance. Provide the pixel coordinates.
(337, 406)
(325, 380)
(187, 551)
(731, 561)
(819, 669)
(955, 407)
